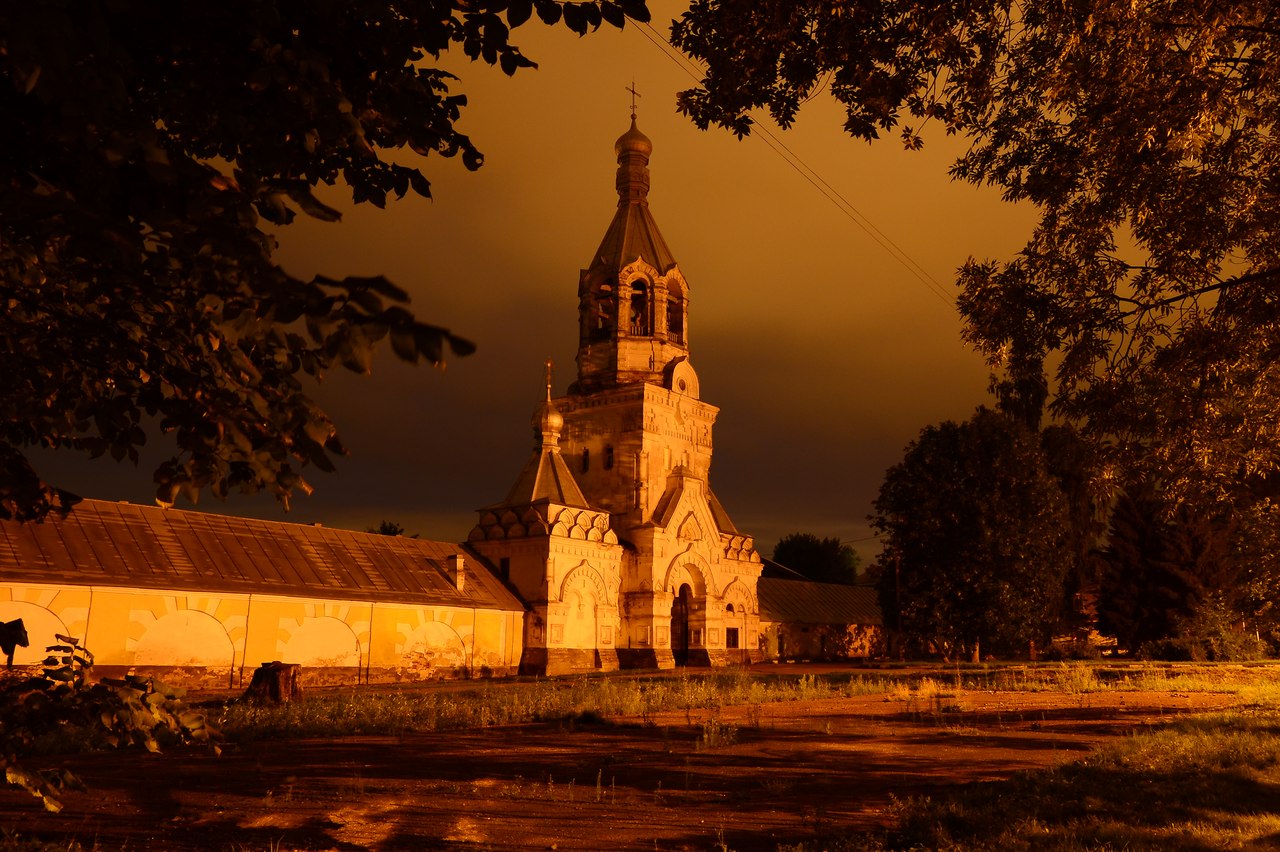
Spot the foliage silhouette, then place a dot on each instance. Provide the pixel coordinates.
(147, 151)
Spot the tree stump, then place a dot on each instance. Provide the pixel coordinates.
(275, 683)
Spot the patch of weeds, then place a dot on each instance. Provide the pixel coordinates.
(716, 734)
(1201, 783)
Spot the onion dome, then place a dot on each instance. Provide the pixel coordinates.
(547, 421)
(633, 141)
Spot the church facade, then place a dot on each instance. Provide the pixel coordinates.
(612, 533)
(610, 550)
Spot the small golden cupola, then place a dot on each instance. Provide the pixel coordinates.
(633, 301)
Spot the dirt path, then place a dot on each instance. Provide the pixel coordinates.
(750, 777)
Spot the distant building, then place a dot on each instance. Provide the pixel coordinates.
(610, 551)
(804, 620)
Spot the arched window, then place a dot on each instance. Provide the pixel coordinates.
(586, 460)
(608, 456)
(675, 316)
(640, 324)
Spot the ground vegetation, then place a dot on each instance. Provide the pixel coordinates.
(818, 765)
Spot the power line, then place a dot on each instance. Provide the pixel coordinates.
(813, 177)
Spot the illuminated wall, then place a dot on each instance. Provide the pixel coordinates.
(217, 640)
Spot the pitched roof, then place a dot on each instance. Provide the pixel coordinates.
(806, 602)
(632, 234)
(546, 477)
(126, 545)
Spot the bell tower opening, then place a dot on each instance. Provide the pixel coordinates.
(640, 324)
(675, 315)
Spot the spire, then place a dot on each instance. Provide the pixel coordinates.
(547, 421)
(632, 150)
(545, 475)
(633, 234)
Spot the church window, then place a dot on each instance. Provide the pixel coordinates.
(608, 457)
(675, 316)
(586, 460)
(640, 324)
(731, 637)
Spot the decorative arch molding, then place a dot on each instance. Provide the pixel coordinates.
(432, 645)
(583, 574)
(690, 528)
(184, 637)
(42, 625)
(695, 567)
(743, 599)
(320, 639)
(637, 269)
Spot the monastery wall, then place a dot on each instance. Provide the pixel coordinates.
(217, 640)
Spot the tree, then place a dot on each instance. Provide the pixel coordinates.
(824, 560)
(1144, 134)
(146, 152)
(975, 542)
(391, 528)
(1188, 582)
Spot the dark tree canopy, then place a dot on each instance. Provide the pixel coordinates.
(975, 538)
(825, 560)
(147, 149)
(1194, 582)
(1145, 136)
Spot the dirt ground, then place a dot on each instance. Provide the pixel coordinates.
(753, 778)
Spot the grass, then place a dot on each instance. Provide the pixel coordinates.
(366, 711)
(1208, 782)
(587, 700)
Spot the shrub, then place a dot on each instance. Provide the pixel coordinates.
(61, 711)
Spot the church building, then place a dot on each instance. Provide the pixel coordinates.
(610, 550)
(612, 534)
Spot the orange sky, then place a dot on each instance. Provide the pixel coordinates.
(825, 354)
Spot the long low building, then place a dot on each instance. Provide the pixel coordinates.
(804, 620)
(207, 598)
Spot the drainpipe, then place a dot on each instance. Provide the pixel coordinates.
(368, 659)
(248, 612)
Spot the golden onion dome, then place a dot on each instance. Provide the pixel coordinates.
(633, 141)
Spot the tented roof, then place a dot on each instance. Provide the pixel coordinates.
(633, 234)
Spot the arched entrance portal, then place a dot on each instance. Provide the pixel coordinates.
(680, 625)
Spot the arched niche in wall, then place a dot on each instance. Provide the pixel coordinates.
(434, 645)
(320, 642)
(185, 637)
(41, 626)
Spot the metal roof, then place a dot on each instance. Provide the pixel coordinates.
(546, 477)
(126, 545)
(633, 234)
(806, 602)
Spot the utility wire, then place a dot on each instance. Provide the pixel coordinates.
(813, 177)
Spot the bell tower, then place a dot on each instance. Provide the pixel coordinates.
(638, 438)
(633, 303)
